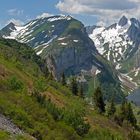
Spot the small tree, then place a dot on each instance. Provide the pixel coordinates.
(51, 77)
(63, 79)
(111, 108)
(81, 91)
(74, 86)
(126, 114)
(15, 83)
(98, 100)
(130, 115)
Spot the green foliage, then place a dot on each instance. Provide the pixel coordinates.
(74, 86)
(98, 101)
(40, 98)
(76, 120)
(63, 79)
(114, 90)
(111, 108)
(70, 117)
(103, 134)
(4, 135)
(40, 84)
(81, 91)
(126, 114)
(133, 135)
(52, 112)
(130, 115)
(15, 84)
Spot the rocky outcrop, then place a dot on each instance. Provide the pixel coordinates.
(7, 125)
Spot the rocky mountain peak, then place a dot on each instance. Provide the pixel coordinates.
(6, 31)
(123, 21)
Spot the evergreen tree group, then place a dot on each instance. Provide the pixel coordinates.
(63, 79)
(111, 108)
(74, 86)
(126, 113)
(98, 100)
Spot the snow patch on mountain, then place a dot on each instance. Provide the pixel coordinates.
(113, 41)
(61, 38)
(64, 44)
(76, 41)
(51, 19)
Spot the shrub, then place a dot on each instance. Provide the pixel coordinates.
(14, 83)
(40, 84)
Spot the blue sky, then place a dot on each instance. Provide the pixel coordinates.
(90, 12)
(25, 10)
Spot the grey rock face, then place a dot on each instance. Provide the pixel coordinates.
(123, 21)
(7, 125)
(8, 29)
(71, 60)
(89, 29)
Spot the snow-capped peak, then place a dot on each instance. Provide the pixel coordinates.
(114, 41)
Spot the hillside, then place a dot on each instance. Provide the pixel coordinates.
(42, 107)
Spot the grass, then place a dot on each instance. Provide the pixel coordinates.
(38, 120)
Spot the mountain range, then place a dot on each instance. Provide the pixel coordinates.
(109, 53)
(119, 43)
(61, 80)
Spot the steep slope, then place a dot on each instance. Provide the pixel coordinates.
(58, 115)
(120, 44)
(20, 75)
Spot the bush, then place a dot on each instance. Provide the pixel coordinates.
(15, 84)
(40, 84)
(76, 120)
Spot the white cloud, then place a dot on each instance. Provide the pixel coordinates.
(107, 11)
(43, 15)
(15, 21)
(15, 12)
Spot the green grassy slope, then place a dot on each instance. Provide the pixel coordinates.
(56, 114)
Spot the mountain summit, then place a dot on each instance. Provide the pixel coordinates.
(119, 43)
(123, 21)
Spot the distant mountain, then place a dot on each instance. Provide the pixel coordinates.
(119, 43)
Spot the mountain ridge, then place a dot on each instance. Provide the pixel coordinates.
(119, 43)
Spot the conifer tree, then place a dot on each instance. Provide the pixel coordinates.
(63, 79)
(98, 100)
(126, 113)
(74, 86)
(81, 91)
(130, 115)
(111, 108)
